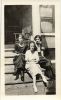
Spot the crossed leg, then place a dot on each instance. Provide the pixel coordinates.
(34, 80)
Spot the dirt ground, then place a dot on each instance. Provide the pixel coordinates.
(25, 89)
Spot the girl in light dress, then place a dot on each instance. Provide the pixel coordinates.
(32, 58)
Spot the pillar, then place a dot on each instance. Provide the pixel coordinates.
(35, 20)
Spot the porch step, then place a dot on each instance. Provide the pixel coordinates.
(9, 46)
(10, 61)
(10, 79)
(9, 54)
(9, 69)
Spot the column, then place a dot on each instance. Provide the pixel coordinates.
(35, 20)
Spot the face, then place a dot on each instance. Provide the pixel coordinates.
(20, 39)
(38, 40)
(32, 46)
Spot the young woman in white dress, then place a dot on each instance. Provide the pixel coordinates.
(32, 58)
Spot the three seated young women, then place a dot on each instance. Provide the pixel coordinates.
(30, 59)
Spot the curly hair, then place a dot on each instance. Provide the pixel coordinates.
(35, 48)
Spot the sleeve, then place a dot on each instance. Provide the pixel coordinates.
(26, 55)
(16, 47)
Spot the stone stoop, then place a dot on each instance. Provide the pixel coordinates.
(9, 71)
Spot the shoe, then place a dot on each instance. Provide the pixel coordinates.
(45, 80)
(22, 78)
(35, 89)
(45, 83)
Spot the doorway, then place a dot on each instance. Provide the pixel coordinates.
(16, 18)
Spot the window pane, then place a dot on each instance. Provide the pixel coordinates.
(46, 27)
(47, 19)
(45, 11)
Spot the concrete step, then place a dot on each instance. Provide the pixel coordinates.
(9, 46)
(10, 60)
(10, 79)
(9, 54)
(9, 69)
(10, 50)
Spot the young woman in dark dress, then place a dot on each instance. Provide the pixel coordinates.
(19, 59)
(43, 61)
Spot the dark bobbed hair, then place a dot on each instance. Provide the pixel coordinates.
(35, 48)
(38, 36)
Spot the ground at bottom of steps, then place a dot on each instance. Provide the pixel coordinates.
(25, 89)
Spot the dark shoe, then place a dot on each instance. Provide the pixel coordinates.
(45, 84)
(22, 78)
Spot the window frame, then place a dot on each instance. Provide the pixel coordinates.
(48, 19)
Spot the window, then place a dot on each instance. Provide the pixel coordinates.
(47, 18)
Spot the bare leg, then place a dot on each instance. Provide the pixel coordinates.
(34, 83)
(43, 77)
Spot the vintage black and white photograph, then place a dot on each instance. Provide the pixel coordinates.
(29, 42)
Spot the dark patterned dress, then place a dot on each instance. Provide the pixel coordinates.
(19, 60)
(45, 63)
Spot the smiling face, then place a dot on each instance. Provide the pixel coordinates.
(32, 46)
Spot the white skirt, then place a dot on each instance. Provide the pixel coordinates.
(33, 68)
